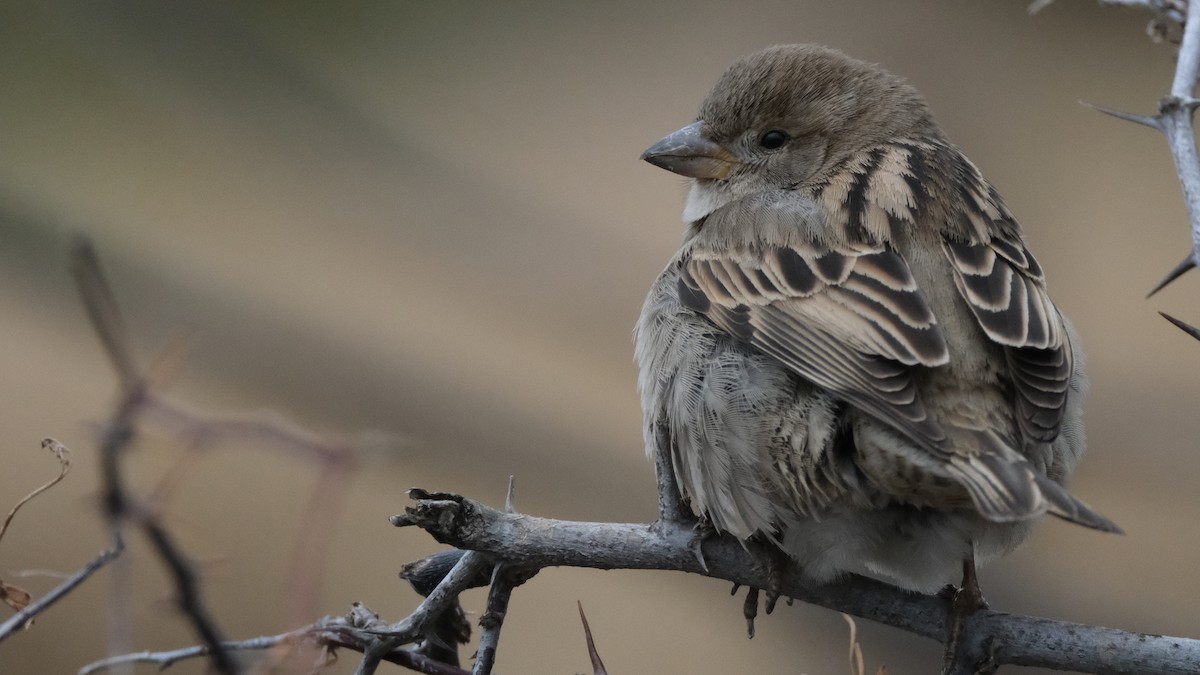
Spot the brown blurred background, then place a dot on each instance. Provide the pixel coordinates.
(429, 218)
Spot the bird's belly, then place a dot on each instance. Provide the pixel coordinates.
(918, 549)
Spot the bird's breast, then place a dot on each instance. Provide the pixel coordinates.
(752, 444)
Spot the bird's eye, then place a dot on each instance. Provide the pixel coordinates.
(773, 139)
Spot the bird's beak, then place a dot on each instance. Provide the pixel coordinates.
(688, 153)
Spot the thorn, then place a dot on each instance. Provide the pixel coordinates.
(508, 497)
(1184, 265)
(1185, 327)
(597, 664)
(1151, 121)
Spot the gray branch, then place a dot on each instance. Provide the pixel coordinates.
(1175, 116)
(414, 626)
(358, 630)
(1175, 113)
(993, 638)
(23, 617)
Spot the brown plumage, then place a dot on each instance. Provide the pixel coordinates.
(854, 354)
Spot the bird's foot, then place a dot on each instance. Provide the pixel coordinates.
(968, 598)
(963, 601)
(776, 563)
(701, 531)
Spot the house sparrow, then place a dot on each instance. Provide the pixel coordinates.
(853, 356)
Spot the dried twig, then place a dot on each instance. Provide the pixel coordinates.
(14, 596)
(499, 593)
(414, 626)
(493, 620)
(120, 506)
(63, 455)
(43, 603)
(140, 402)
(356, 631)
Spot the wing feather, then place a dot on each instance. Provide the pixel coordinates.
(853, 321)
(1003, 285)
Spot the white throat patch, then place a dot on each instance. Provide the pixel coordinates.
(703, 199)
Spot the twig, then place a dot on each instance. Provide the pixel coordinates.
(497, 604)
(857, 666)
(533, 543)
(64, 467)
(139, 402)
(103, 311)
(413, 626)
(330, 632)
(493, 620)
(12, 595)
(43, 603)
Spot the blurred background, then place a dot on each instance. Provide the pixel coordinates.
(428, 218)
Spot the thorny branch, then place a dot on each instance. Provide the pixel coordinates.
(1175, 112)
(991, 638)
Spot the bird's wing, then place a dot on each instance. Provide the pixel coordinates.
(996, 275)
(850, 319)
(1004, 287)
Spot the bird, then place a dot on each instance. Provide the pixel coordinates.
(853, 357)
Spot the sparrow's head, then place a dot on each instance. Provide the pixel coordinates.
(783, 117)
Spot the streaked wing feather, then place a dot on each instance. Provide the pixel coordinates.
(854, 322)
(1002, 283)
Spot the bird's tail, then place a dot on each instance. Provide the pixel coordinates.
(1005, 486)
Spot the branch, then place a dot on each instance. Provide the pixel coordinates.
(992, 638)
(26, 615)
(357, 631)
(120, 507)
(139, 401)
(493, 620)
(414, 626)
(503, 583)
(1175, 113)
